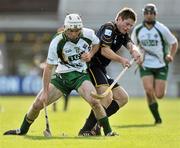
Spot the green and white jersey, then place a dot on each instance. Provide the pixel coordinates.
(154, 43)
(67, 54)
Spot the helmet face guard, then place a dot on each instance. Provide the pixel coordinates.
(73, 21)
(150, 8)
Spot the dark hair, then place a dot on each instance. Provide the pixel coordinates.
(126, 13)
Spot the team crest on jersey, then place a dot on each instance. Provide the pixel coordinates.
(155, 35)
(85, 46)
(77, 49)
(108, 32)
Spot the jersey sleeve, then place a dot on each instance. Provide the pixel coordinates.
(168, 36)
(52, 57)
(134, 37)
(90, 34)
(95, 39)
(106, 35)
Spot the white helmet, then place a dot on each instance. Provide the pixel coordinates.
(73, 21)
(150, 8)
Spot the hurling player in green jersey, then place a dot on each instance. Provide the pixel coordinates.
(159, 47)
(69, 50)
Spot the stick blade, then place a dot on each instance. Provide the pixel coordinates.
(47, 133)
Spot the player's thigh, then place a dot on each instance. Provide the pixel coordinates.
(120, 95)
(160, 88)
(101, 82)
(53, 95)
(98, 77)
(85, 90)
(147, 76)
(148, 83)
(160, 81)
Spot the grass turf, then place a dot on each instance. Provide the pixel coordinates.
(134, 123)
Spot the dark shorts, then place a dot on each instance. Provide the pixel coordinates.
(99, 77)
(158, 73)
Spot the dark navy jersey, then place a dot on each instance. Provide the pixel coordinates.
(109, 36)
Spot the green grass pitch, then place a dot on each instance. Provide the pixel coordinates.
(134, 123)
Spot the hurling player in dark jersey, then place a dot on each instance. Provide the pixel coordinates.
(112, 36)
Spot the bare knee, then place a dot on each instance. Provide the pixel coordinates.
(121, 97)
(160, 95)
(149, 91)
(125, 100)
(121, 100)
(160, 88)
(94, 104)
(106, 101)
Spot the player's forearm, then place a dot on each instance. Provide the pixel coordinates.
(47, 76)
(173, 49)
(131, 47)
(135, 53)
(109, 54)
(94, 49)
